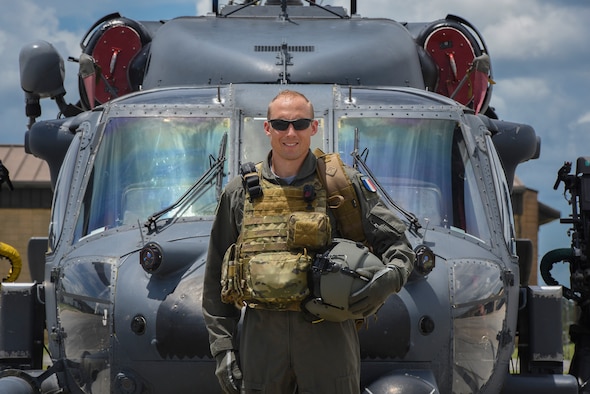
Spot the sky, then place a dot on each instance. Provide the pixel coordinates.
(538, 48)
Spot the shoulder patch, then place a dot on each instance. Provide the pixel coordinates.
(368, 184)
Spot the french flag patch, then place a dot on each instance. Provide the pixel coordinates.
(368, 184)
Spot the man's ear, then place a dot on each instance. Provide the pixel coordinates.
(267, 127)
(314, 127)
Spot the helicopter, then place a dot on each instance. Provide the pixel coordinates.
(167, 113)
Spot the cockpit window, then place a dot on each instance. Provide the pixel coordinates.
(503, 193)
(144, 164)
(424, 165)
(255, 145)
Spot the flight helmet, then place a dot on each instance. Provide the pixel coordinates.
(333, 278)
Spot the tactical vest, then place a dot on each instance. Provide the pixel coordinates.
(342, 198)
(282, 229)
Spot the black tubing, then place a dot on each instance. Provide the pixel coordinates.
(551, 257)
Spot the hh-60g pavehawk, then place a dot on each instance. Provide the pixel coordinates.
(168, 111)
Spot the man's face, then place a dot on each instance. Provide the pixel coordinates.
(290, 144)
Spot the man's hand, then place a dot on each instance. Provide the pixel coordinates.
(367, 300)
(228, 372)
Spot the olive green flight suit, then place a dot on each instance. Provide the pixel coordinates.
(281, 351)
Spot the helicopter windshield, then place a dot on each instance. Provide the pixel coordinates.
(253, 130)
(144, 164)
(423, 164)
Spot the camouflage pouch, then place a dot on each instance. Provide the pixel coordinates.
(277, 279)
(231, 289)
(309, 230)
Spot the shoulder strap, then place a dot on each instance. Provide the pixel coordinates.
(251, 180)
(342, 197)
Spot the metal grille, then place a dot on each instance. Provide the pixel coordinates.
(290, 48)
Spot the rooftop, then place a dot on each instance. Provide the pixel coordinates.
(24, 169)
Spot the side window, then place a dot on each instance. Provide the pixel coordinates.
(61, 194)
(468, 208)
(503, 193)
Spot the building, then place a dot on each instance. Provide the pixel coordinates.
(529, 215)
(24, 211)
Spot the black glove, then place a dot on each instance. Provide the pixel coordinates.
(367, 300)
(228, 372)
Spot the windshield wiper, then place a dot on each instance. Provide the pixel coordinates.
(215, 172)
(358, 160)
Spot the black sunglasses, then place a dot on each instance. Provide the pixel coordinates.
(282, 124)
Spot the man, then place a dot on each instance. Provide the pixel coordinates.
(280, 349)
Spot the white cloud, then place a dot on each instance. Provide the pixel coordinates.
(523, 88)
(585, 118)
(25, 21)
(543, 33)
(22, 23)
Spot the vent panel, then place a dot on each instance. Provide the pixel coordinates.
(278, 48)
